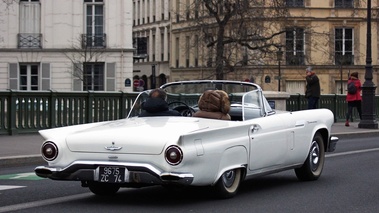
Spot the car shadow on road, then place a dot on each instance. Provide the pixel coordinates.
(156, 196)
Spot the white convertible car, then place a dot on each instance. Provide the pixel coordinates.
(176, 151)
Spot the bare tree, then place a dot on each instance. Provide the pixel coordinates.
(232, 30)
(239, 33)
(81, 53)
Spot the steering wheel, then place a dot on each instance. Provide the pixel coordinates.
(183, 108)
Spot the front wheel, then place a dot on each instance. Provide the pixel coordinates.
(313, 165)
(227, 185)
(103, 189)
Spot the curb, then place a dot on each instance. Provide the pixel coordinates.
(21, 160)
(353, 135)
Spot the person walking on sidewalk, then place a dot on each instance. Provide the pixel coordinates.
(353, 99)
(312, 92)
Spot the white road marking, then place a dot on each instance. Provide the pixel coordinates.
(23, 175)
(5, 187)
(352, 152)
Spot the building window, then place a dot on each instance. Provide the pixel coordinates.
(177, 52)
(188, 10)
(344, 3)
(94, 36)
(29, 77)
(344, 46)
(153, 48)
(196, 54)
(197, 5)
(245, 58)
(295, 3)
(177, 10)
(30, 24)
(143, 11)
(295, 46)
(187, 51)
(162, 49)
(93, 77)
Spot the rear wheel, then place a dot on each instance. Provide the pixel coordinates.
(227, 185)
(103, 189)
(313, 165)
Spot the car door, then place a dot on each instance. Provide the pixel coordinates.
(268, 135)
(269, 143)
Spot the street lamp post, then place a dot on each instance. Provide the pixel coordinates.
(368, 120)
(342, 60)
(279, 56)
(153, 76)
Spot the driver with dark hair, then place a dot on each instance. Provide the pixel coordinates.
(156, 105)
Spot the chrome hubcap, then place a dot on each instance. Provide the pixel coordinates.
(228, 178)
(314, 156)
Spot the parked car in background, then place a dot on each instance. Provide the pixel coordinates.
(175, 151)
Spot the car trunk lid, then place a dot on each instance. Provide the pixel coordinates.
(131, 136)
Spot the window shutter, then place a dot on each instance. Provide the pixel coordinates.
(13, 76)
(77, 77)
(111, 76)
(45, 76)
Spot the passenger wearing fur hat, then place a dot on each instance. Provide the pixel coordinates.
(214, 104)
(354, 100)
(312, 92)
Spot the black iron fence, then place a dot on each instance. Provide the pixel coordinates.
(28, 112)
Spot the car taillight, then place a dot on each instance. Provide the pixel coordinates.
(49, 151)
(174, 155)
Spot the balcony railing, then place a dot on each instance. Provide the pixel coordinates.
(344, 4)
(344, 59)
(295, 59)
(94, 41)
(29, 40)
(294, 3)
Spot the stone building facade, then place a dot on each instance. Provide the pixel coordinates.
(66, 45)
(175, 49)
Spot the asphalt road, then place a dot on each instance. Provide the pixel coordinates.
(349, 183)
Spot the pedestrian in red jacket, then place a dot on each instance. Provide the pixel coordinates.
(354, 100)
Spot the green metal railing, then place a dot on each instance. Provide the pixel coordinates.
(28, 112)
(336, 103)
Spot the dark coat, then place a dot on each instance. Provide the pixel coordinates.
(157, 107)
(313, 86)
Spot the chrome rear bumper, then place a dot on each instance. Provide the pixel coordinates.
(137, 173)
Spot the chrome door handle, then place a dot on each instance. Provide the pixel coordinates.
(255, 129)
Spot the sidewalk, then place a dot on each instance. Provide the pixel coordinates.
(24, 149)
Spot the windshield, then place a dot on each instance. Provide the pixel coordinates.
(137, 105)
(247, 101)
(254, 105)
(198, 87)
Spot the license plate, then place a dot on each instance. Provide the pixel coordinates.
(111, 174)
